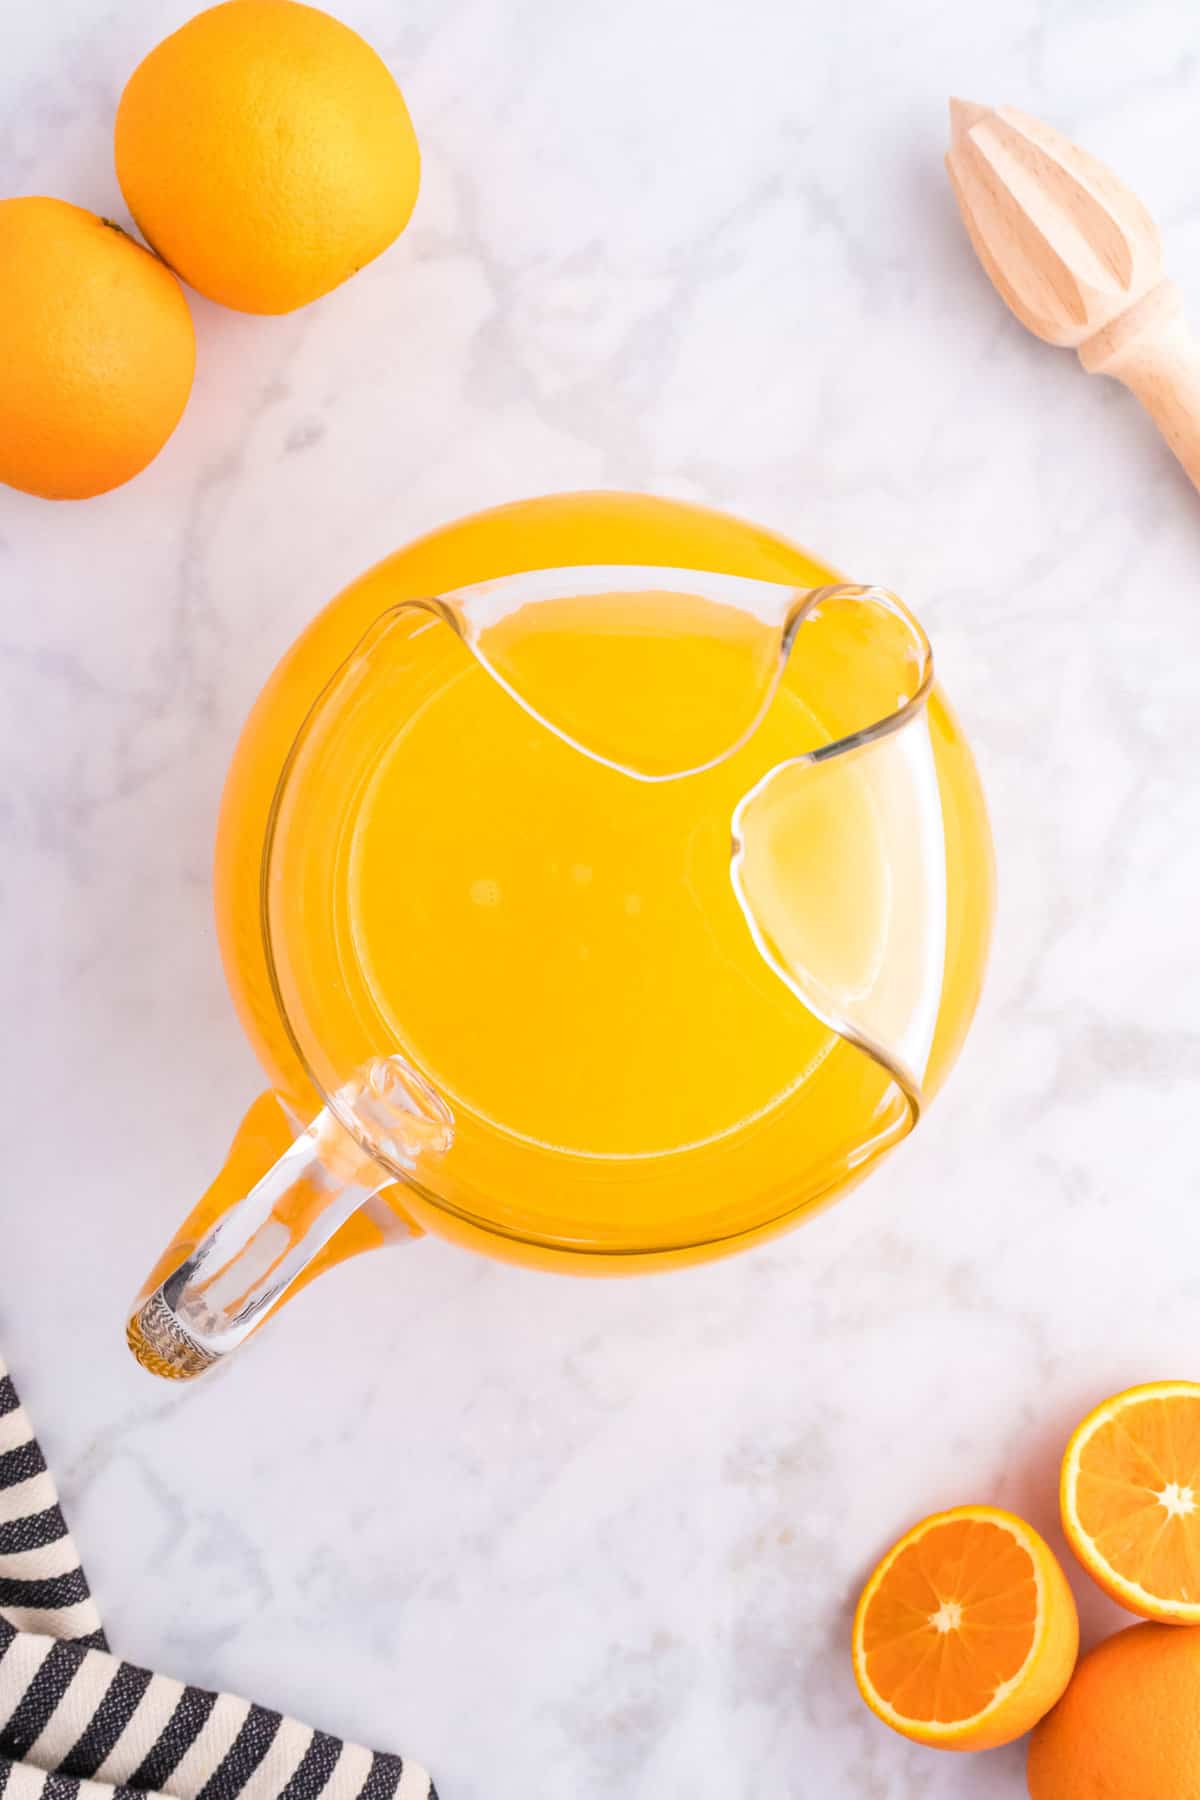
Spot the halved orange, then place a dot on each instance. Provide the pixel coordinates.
(1130, 1497)
(966, 1634)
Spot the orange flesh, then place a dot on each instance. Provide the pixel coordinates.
(953, 1619)
(1137, 1495)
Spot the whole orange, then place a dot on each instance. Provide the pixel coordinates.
(97, 351)
(1128, 1725)
(266, 152)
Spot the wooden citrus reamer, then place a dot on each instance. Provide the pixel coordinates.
(1079, 261)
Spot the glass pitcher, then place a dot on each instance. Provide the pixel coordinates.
(602, 884)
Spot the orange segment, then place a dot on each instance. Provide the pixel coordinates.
(1130, 1497)
(966, 1633)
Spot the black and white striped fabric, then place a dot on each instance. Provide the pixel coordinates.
(76, 1723)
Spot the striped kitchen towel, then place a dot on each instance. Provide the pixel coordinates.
(76, 1723)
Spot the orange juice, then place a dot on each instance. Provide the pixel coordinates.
(581, 867)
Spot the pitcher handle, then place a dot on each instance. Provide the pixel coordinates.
(222, 1283)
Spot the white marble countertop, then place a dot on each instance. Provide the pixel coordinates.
(562, 1539)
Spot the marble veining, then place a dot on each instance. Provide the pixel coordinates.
(563, 1539)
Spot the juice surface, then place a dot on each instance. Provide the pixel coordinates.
(559, 947)
(525, 847)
